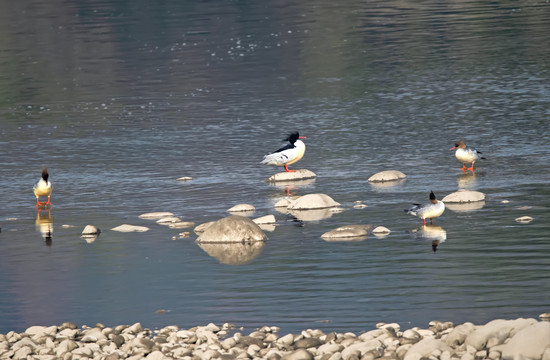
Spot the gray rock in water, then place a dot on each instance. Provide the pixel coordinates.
(313, 201)
(347, 231)
(156, 215)
(464, 196)
(200, 228)
(232, 229)
(387, 175)
(130, 228)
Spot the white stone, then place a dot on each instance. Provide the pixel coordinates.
(464, 196)
(459, 334)
(90, 230)
(299, 174)
(381, 230)
(496, 331)
(283, 203)
(200, 228)
(231, 229)
(184, 178)
(268, 219)
(168, 220)
(242, 207)
(181, 225)
(156, 215)
(387, 175)
(425, 347)
(313, 201)
(528, 343)
(347, 231)
(130, 228)
(524, 219)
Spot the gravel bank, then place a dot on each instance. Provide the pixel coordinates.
(498, 339)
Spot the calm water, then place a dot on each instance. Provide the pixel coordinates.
(119, 99)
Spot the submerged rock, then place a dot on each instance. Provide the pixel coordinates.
(524, 219)
(130, 228)
(347, 231)
(300, 174)
(381, 231)
(268, 219)
(91, 230)
(156, 215)
(242, 208)
(387, 175)
(232, 229)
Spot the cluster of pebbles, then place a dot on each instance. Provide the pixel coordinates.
(498, 339)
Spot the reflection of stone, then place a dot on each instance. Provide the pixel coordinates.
(292, 185)
(44, 224)
(299, 174)
(233, 253)
(347, 233)
(465, 207)
(232, 229)
(311, 215)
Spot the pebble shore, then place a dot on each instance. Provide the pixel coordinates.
(498, 339)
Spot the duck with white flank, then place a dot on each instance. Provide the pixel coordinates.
(466, 155)
(43, 188)
(428, 211)
(288, 154)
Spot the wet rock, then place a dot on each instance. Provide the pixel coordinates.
(168, 220)
(299, 174)
(464, 196)
(242, 207)
(156, 215)
(268, 219)
(347, 231)
(90, 230)
(524, 219)
(130, 228)
(184, 178)
(381, 230)
(313, 201)
(387, 175)
(232, 229)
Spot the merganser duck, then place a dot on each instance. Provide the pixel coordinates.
(428, 211)
(43, 188)
(288, 154)
(466, 155)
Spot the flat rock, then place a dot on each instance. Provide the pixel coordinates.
(268, 219)
(181, 225)
(184, 178)
(524, 219)
(232, 229)
(200, 228)
(313, 201)
(168, 220)
(242, 207)
(156, 215)
(299, 174)
(464, 196)
(347, 231)
(130, 228)
(387, 175)
(91, 230)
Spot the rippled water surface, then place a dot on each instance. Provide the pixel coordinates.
(119, 99)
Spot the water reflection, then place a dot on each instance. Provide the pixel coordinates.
(387, 185)
(233, 253)
(289, 186)
(44, 225)
(465, 207)
(433, 233)
(466, 180)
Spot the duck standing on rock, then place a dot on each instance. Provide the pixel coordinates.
(43, 188)
(428, 211)
(288, 154)
(466, 155)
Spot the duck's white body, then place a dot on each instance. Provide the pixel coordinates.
(42, 188)
(286, 157)
(431, 210)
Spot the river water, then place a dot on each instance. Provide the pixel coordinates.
(119, 99)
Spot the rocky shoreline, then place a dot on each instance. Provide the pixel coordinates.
(498, 339)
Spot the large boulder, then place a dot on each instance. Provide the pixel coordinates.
(232, 229)
(312, 201)
(528, 343)
(496, 332)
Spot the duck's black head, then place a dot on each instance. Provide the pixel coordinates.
(432, 197)
(45, 174)
(293, 137)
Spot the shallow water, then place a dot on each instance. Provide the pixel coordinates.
(120, 99)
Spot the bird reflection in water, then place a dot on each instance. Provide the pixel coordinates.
(433, 233)
(466, 180)
(44, 225)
